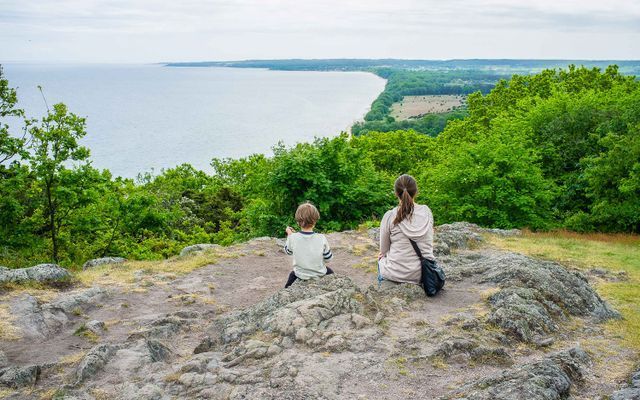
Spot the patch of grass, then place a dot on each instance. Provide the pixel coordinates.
(72, 359)
(173, 377)
(613, 252)
(439, 363)
(359, 297)
(53, 394)
(401, 363)
(84, 332)
(4, 393)
(369, 264)
(125, 273)
(100, 394)
(7, 330)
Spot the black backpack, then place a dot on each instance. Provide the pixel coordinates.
(432, 275)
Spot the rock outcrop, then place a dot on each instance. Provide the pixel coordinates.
(96, 262)
(197, 248)
(229, 331)
(48, 274)
(547, 379)
(37, 320)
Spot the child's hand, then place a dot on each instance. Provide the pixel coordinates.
(289, 230)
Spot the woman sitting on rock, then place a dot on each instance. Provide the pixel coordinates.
(398, 261)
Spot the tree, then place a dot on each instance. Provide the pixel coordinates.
(54, 145)
(10, 145)
(494, 181)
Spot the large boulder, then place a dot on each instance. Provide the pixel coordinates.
(51, 274)
(197, 248)
(534, 295)
(536, 292)
(96, 262)
(548, 379)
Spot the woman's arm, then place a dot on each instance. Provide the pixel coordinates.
(385, 234)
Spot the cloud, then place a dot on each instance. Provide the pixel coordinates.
(137, 30)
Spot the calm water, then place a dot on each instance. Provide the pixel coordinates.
(144, 117)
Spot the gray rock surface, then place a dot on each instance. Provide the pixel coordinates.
(17, 377)
(459, 235)
(96, 262)
(305, 305)
(334, 337)
(548, 379)
(534, 295)
(166, 326)
(37, 320)
(51, 274)
(97, 327)
(196, 248)
(95, 361)
(629, 393)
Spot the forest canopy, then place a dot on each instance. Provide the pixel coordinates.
(558, 149)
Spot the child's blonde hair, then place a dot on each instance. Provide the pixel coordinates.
(307, 215)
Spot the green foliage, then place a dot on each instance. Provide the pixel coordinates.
(555, 149)
(431, 124)
(397, 152)
(10, 145)
(335, 175)
(494, 181)
(568, 118)
(54, 143)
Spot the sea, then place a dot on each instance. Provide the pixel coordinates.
(145, 118)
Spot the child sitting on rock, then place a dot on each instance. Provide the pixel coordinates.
(310, 250)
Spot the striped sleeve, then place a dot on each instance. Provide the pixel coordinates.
(326, 251)
(287, 246)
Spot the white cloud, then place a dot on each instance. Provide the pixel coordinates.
(151, 30)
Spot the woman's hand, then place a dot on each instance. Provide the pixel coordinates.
(289, 230)
(380, 255)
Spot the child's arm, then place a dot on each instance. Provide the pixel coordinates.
(287, 245)
(326, 251)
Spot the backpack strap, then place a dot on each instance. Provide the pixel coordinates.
(416, 248)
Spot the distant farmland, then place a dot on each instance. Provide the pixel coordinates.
(418, 106)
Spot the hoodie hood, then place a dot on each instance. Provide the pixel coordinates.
(419, 224)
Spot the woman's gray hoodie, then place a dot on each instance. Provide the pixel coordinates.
(400, 263)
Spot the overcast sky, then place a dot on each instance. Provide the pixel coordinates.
(191, 30)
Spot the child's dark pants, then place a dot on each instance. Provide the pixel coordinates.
(293, 277)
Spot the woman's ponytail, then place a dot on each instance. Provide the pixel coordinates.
(406, 189)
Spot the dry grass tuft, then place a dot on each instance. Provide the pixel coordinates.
(126, 273)
(7, 330)
(5, 393)
(72, 359)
